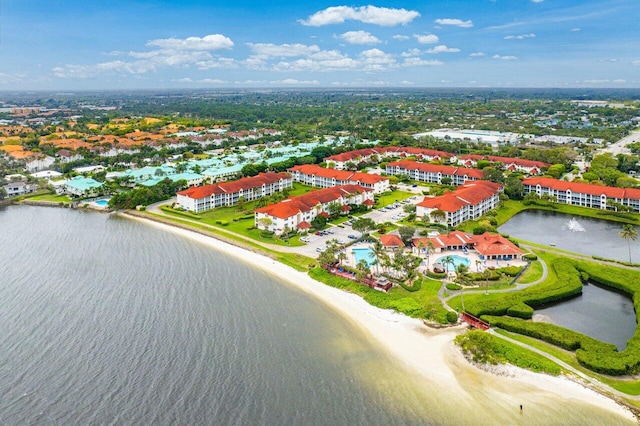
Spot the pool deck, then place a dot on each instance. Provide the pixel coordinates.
(476, 264)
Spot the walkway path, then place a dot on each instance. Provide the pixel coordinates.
(588, 380)
(155, 209)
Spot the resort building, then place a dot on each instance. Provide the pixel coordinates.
(311, 174)
(367, 154)
(511, 164)
(433, 173)
(584, 194)
(488, 246)
(201, 198)
(298, 212)
(468, 202)
(391, 241)
(82, 187)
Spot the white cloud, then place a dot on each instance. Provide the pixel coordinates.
(537, 1)
(327, 60)
(443, 49)
(359, 37)
(184, 80)
(477, 54)
(619, 81)
(368, 14)
(596, 81)
(573, 30)
(426, 38)
(411, 52)
(635, 63)
(418, 62)
(212, 81)
(407, 83)
(400, 37)
(505, 58)
(209, 42)
(454, 22)
(520, 37)
(169, 53)
(376, 60)
(269, 50)
(293, 81)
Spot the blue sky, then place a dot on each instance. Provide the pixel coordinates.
(133, 44)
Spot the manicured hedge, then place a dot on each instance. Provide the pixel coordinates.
(530, 256)
(180, 212)
(521, 310)
(566, 286)
(595, 355)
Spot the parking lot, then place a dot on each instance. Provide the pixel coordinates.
(317, 243)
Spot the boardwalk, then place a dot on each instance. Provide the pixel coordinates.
(474, 322)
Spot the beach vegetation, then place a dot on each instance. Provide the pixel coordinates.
(484, 348)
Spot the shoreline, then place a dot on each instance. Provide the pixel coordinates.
(418, 348)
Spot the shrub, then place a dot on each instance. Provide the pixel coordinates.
(436, 275)
(566, 286)
(510, 271)
(521, 310)
(452, 286)
(530, 257)
(479, 230)
(452, 317)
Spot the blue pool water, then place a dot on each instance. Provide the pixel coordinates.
(102, 203)
(364, 253)
(457, 260)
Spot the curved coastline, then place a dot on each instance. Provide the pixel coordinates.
(429, 352)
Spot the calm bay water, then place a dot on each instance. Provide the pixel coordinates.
(600, 313)
(599, 237)
(108, 321)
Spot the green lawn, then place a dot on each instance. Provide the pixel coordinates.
(630, 387)
(533, 273)
(53, 198)
(384, 200)
(427, 296)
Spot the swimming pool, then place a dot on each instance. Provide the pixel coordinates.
(363, 253)
(102, 203)
(457, 260)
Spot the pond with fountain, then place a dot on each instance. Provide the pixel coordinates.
(577, 234)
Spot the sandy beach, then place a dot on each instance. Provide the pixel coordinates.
(429, 352)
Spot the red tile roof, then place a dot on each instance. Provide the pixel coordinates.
(391, 240)
(472, 193)
(584, 188)
(341, 175)
(304, 225)
(198, 192)
(366, 152)
(486, 244)
(436, 168)
(493, 244)
(307, 202)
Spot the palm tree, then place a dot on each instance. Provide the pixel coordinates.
(362, 269)
(341, 256)
(448, 260)
(378, 251)
(431, 249)
(629, 233)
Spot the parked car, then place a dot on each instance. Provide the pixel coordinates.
(353, 237)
